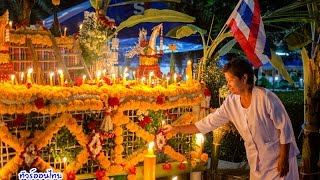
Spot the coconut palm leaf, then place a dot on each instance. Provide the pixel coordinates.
(155, 15)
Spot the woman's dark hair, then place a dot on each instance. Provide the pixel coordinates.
(239, 67)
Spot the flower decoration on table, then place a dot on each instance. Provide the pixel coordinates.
(167, 166)
(71, 175)
(101, 175)
(182, 166)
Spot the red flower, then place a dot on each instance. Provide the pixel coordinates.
(18, 25)
(39, 102)
(19, 120)
(142, 124)
(206, 92)
(133, 170)
(147, 119)
(113, 101)
(40, 23)
(182, 166)
(71, 175)
(100, 174)
(25, 22)
(159, 100)
(92, 125)
(29, 85)
(167, 167)
(78, 81)
(107, 80)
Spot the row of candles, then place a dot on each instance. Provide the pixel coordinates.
(100, 74)
(149, 164)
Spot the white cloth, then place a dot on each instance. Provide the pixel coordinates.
(263, 126)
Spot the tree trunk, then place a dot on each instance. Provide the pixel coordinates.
(26, 7)
(311, 141)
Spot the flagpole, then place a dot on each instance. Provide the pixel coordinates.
(223, 29)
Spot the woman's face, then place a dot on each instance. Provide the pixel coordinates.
(236, 85)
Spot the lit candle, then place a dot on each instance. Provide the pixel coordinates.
(44, 23)
(65, 32)
(10, 24)
(12, 79)
(189, 70)
(125, 76)
(51, 79)
(150, 77)
(143, 79)
(98, 77)
(187, 78)
(113, 78)
(61, 77)
(80, 27)
(21, 77)
(64, 159)
(175, 78)
(168, 81)
(134, 75)
(163, 122)
(150, 164)
(199, 142)
(84, 79)
(104, 71)
(29, 75)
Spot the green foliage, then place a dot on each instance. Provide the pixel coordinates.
(156, 120)
(214, 79)
(64, 140)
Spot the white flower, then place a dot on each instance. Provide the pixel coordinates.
(160, 140)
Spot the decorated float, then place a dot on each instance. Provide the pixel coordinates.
(103, 125)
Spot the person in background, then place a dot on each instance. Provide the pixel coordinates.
(260, 119)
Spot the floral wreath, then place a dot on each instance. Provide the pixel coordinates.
(160, 140)
(95, 144)
(30, 155)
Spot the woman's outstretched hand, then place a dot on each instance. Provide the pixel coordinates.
(169, 129)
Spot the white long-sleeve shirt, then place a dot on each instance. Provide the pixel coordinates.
(264, 125)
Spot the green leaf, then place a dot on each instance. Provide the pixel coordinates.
(139, 1)
(298, 38)
(226, 48)
(185, 31)
(215, 43)
(155, 15)
(277, 63)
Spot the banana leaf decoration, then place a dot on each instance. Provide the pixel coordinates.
(155, 15)
(277, 63)
(187, 30)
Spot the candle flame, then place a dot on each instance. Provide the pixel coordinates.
(133, 72)
(22, 75)
(151, 73)
(99, 73)
(60, 71)
(30, 71)
(175, 178)
(64, 159)
(80, 27)
(12, 77)
(199, 139)
(151, 144)
(51, 74)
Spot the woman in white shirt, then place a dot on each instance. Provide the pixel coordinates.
(260, 119)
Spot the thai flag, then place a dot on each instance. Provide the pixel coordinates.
(247, 28)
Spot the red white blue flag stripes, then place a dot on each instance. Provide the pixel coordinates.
(248, 29)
